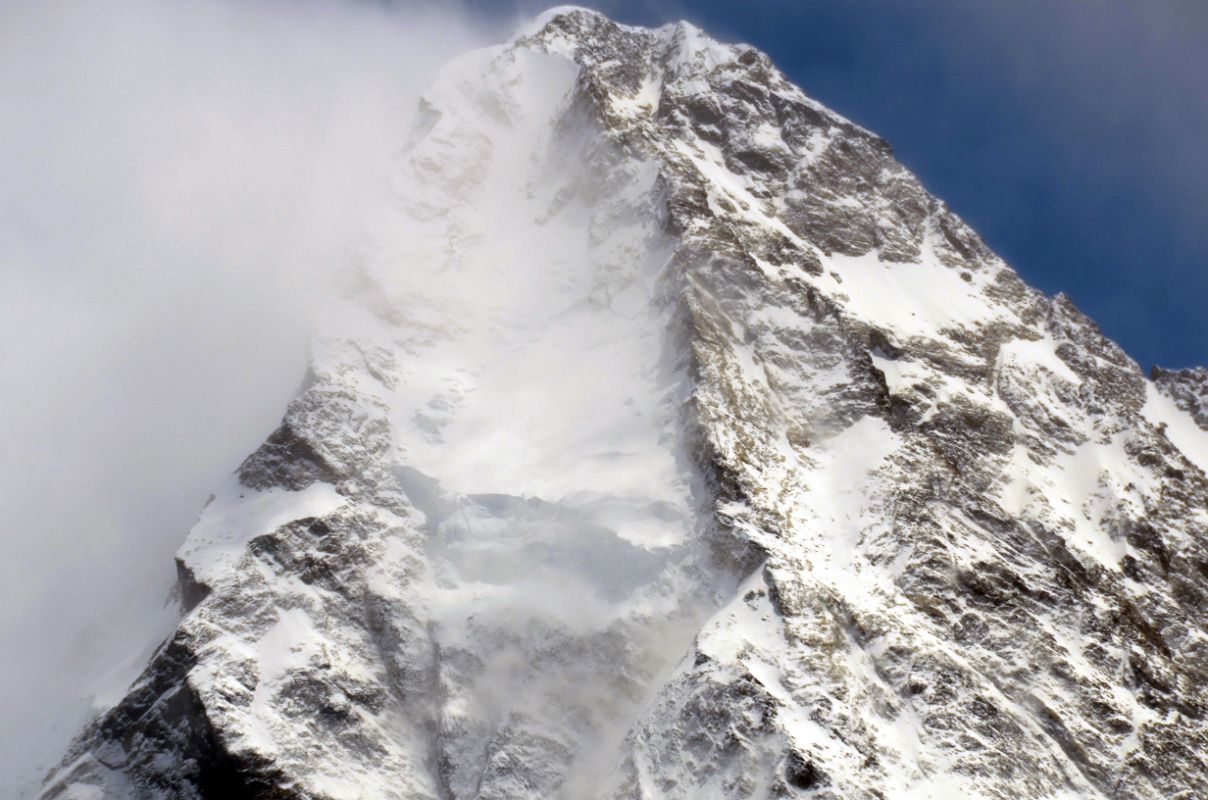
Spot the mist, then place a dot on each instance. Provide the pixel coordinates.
(179, 184)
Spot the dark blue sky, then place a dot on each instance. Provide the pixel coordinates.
(1070, 134)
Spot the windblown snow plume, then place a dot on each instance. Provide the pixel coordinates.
(668, 440)
(180, 180)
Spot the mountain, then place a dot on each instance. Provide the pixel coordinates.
(669, 440)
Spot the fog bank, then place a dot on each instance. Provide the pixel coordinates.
(179, 182)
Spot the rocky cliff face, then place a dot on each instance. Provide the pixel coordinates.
(671, 441)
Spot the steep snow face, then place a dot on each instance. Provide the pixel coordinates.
(670, 441)
(501, 273)
(486, 479)
(533, 402)
(1177, 401)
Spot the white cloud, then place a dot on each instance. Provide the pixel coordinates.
(178, 183)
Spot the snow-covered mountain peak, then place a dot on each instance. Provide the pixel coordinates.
(670, 440)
